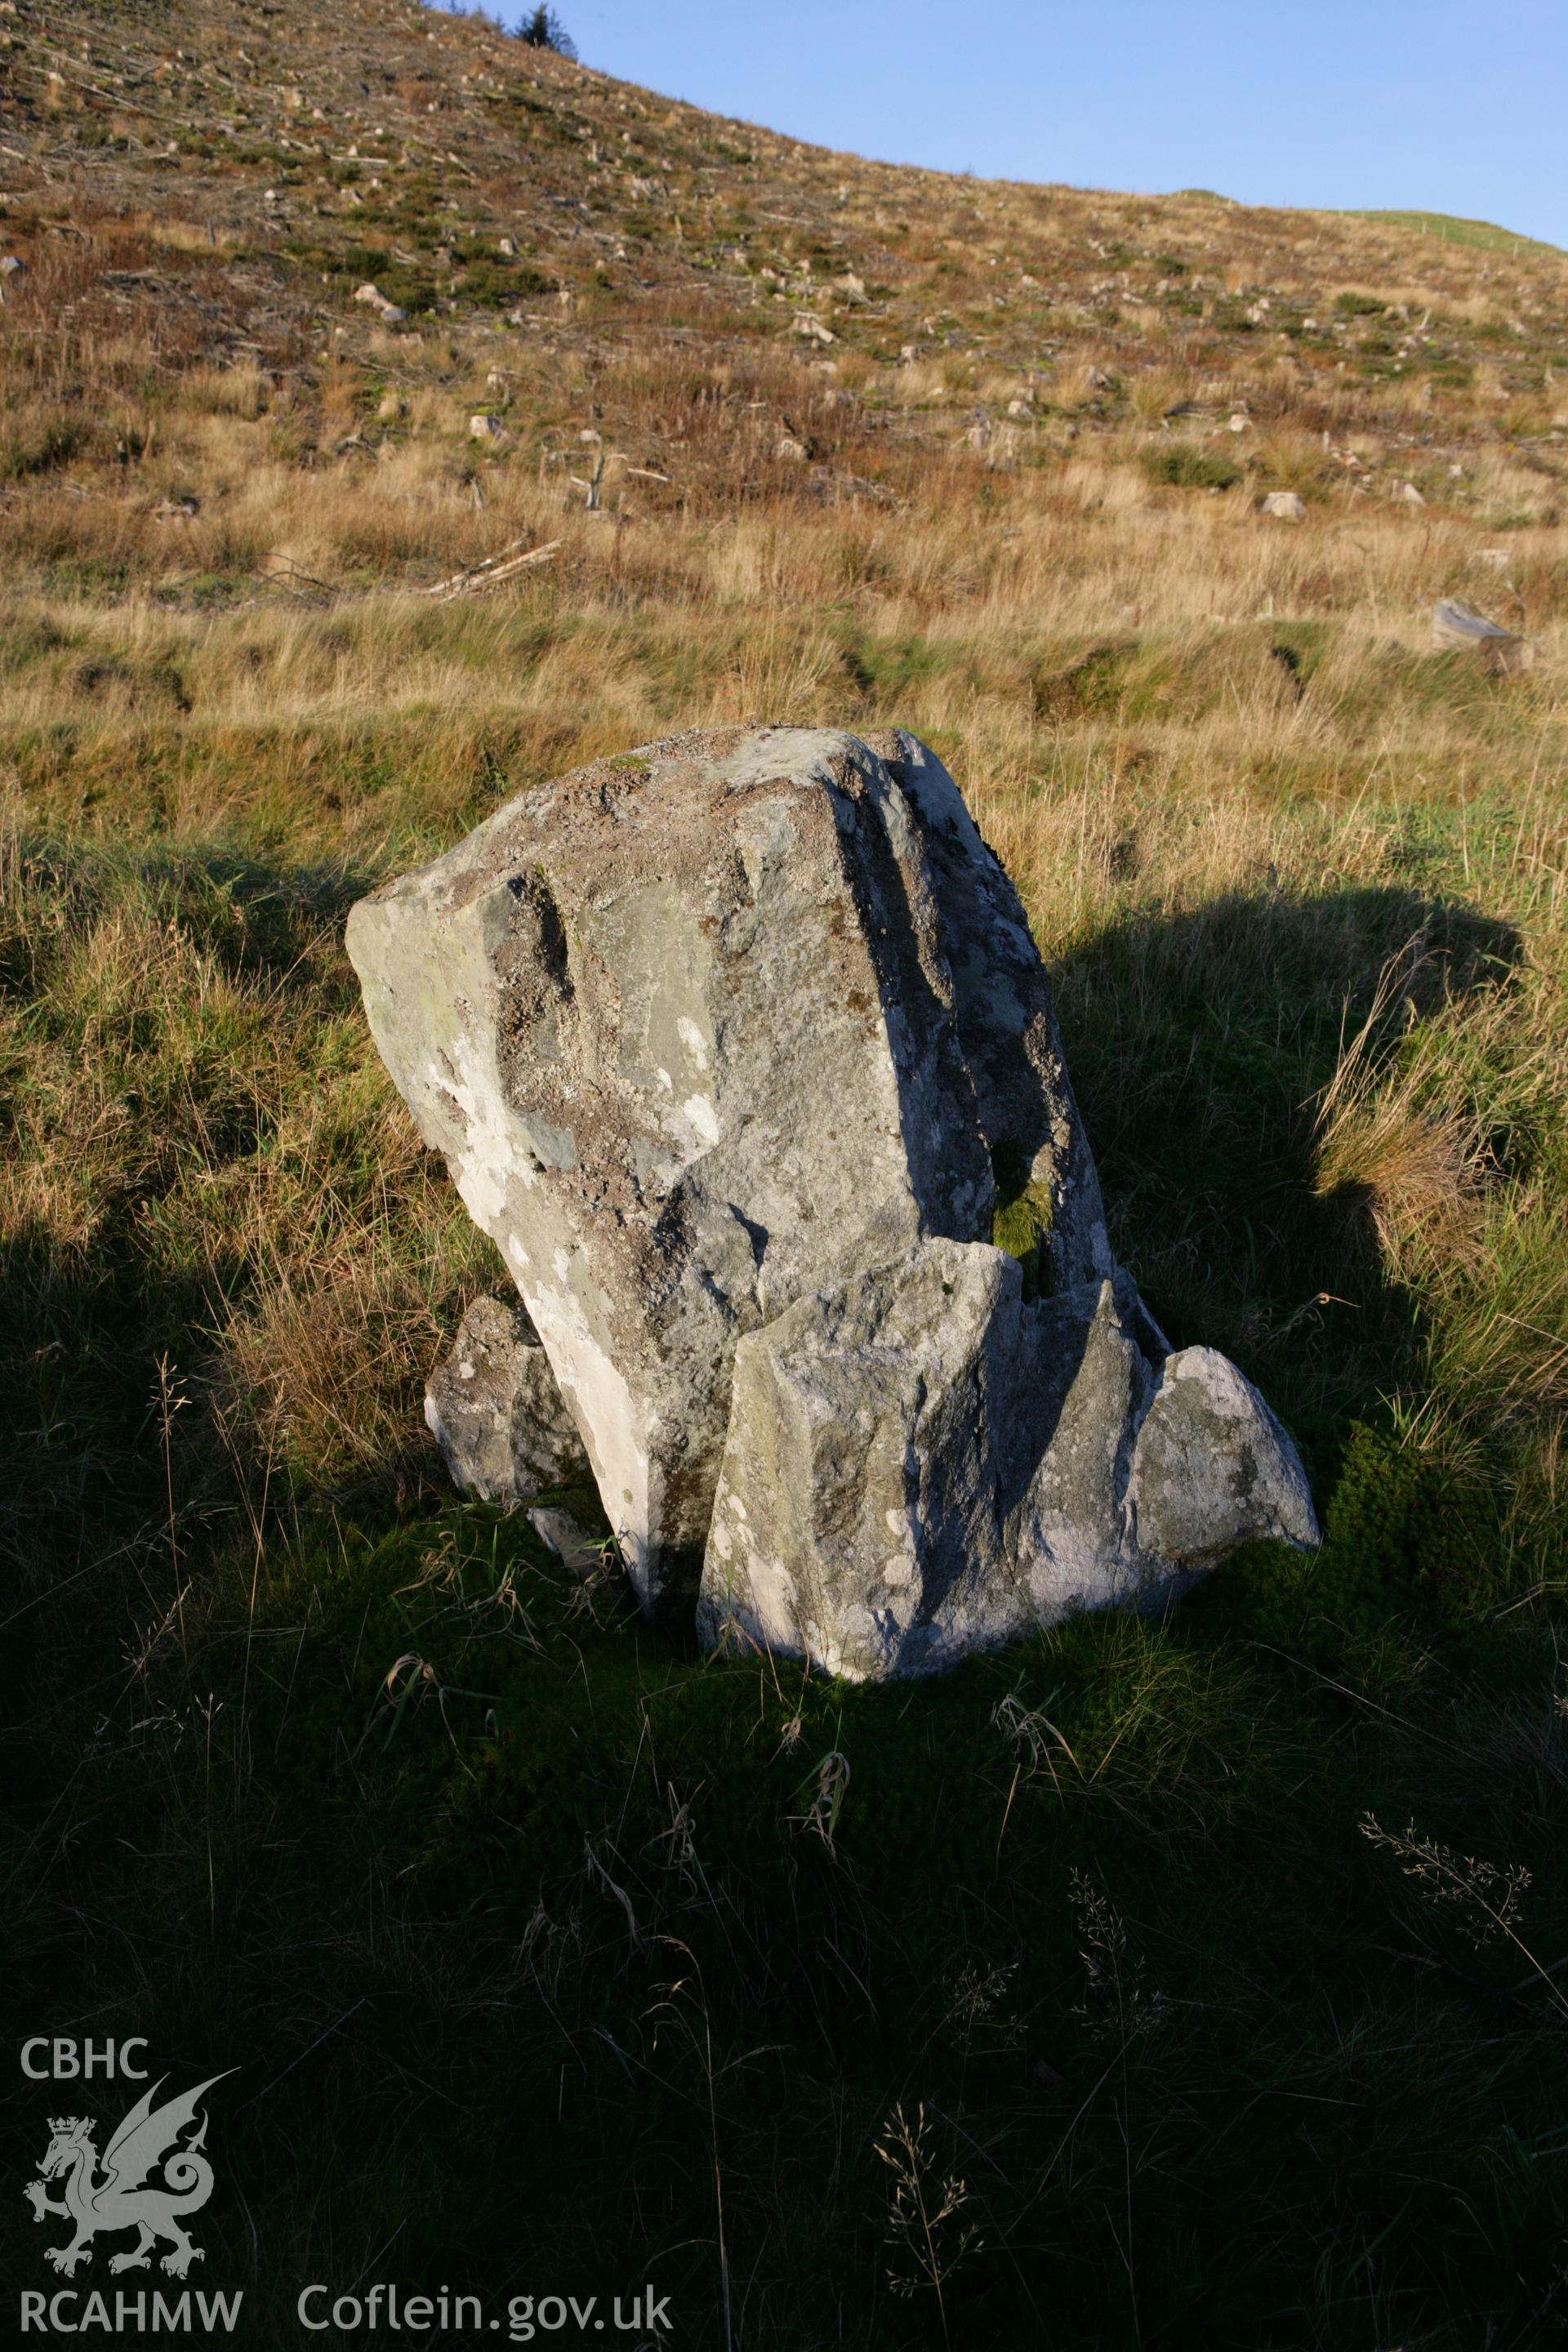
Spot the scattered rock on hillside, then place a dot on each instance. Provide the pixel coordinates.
(1457, 627)
(372, 298)
(1288, 506)
(496, 1412)
(739, 1049)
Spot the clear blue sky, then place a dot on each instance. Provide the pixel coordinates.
(1458, 105)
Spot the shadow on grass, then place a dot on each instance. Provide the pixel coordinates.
(1200, 1046)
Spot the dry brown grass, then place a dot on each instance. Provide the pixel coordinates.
(1396, 1149)
(223, 487)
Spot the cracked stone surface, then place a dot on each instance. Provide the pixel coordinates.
(744, 1027)
(921, 1463)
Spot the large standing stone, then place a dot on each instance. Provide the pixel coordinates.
(683, 1026)
(748, 1019)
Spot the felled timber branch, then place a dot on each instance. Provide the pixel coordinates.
(504, 565)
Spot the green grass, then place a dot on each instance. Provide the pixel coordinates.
(1454, 229)
(1185, 466)
(1103, 1906)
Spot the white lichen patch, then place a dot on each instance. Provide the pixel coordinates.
(693, 1040)
(604, 1408)
(492, 1151)
(700, 1115)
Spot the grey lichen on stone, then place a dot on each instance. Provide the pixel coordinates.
(859, 1518)
(922, 1462)
(739, 1049)
(495, 1411)
(1213, 1467)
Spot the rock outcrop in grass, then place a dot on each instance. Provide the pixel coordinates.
(739, 1049)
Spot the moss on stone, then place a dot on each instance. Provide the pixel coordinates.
(1021, 1222)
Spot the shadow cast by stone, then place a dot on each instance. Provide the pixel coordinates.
(1201, 1044)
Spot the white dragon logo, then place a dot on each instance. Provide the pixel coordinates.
(122, 2200)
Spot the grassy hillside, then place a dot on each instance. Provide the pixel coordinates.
(1455, 230)
(1209, 1974)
